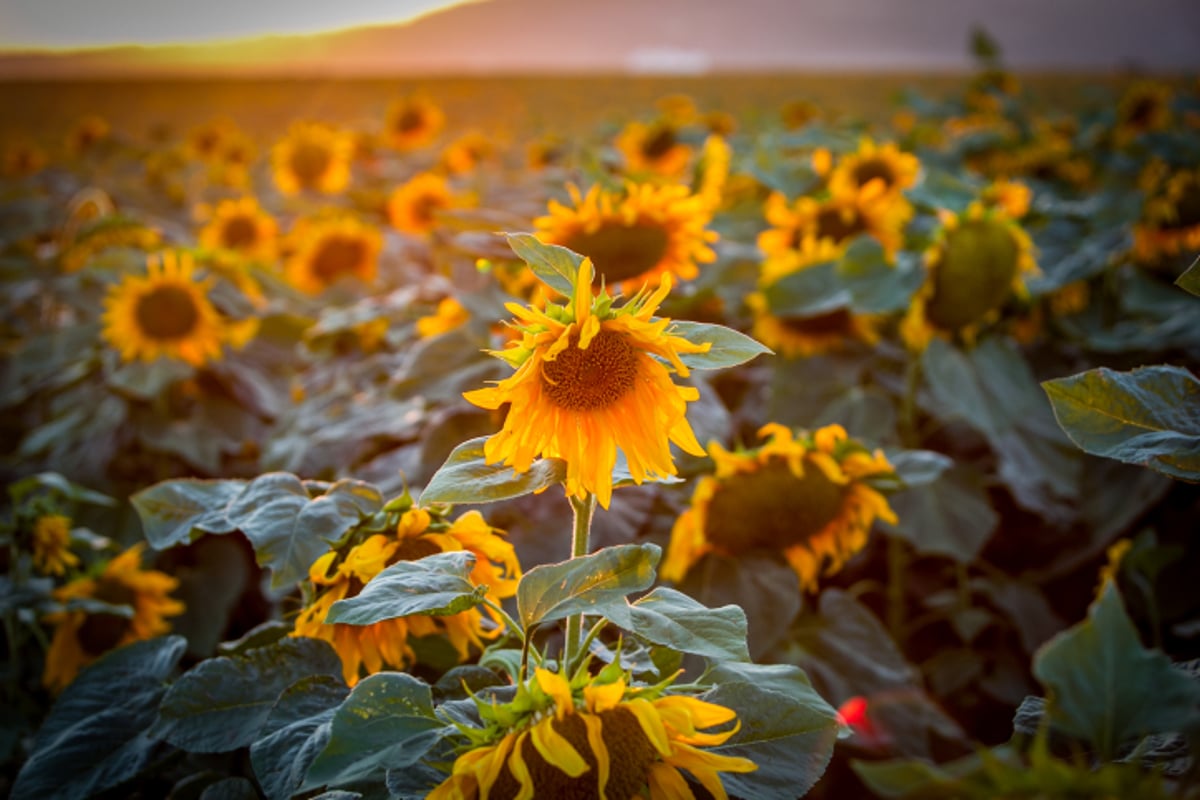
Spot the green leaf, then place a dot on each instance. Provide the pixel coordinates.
(387, 722)
(863, 280)
(438, 584)
(808, 292)
(554, 266)
(1105, 688)
(594, 584)
(670, 618)
(234, 788)
(295, 732)
(1150, 416)
(787, 729)
(467, 478)
(729, 347)
(221, 704)
(173, 512)
(950, 516)
(1189, 281)
(289, 529)
(96, 736)
(147, 380)
(54, 482)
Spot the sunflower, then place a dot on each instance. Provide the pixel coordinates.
(1170, 222)
(592, 737)
(232, 164)
(87, 133)
(449, 315)
(80, 637)
(1143, 108)
(466, 152)
(242, 227)
(798, 337)
(838, 218)
(548, 151)
(979, 259)
(412, 123)
(366, 649)
(874, 168)
(165, 313)
(795, 114)
(52, 545)
(329, 250)
(713, 170)
(205, 142)
(312, 157)
(807, 497)
(592, 379)
(654, 149)
(634, 237)
(414, 205)
(22, 159)
(107, 233)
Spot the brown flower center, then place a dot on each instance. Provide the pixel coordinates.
(771, 509)
(591, 379)
(424, 207)
(1143, 112)
(409, 120)
(622, 252)
(873, 169)
(100, 633)
(658, 142)
(833, 224)
(630, 756)
(239, 232)
(337, 256)
(309, 162)
(167, 312)
(975, 275)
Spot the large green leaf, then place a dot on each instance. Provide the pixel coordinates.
(672, 619)
(1105, 688)
(173, 512)
(1189, 281)
(862, 279)
(387, 722)
(1150, 416)
(467, 478)
(554, 265)
(787, 729)
(96, 736)
(950, 515)
(729, 347)
(289, 529)
(295, 732)
(221, 704)
(437, 584)
(594, 584)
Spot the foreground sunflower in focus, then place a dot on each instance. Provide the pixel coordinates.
(366, 649)
(312, 157)
(635, 236)
(592, 736)
(807, 497)
(166, 314)
(592, 379)
(80, 637)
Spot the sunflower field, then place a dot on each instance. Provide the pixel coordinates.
(669, 449)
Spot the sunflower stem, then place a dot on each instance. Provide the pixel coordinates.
(580, 545)
(908, 403)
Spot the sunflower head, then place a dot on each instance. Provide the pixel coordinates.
(592, 379)
(342, 573)
(164, 314)
(87, 133)
(592, 736)
(636, 236)
(807, 497)
(1170, 222)
(243, 228)
(328, 250)
(874, 169)
(547, 151)
(80, 637)
(206, 141)
(414, 205)
(795, 114)
(51, 545)
(978, 261)
(22, 158)
(106, 232)
(1144, 107)
(312, 157)
(466, 152)
(655, 148)
(412, 123)
(837, 218)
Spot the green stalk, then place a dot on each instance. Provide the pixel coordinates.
(897, 555)
(580, 544)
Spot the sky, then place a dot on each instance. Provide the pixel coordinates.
(66, 24)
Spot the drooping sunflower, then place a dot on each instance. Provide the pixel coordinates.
(242, 227)
(312, 157)
(636, 236)
(414, 205)
(591, 379)
(165, 313)
(655, 148)
(978, 260)
(1170, 222)
(412, 123)
(329, 250)
(800, 337)
(366, 649)
(80, 637)
(449, 315)
(806, 497)
(875, 168)
(23, 158)
(52, 545)
(594, 737)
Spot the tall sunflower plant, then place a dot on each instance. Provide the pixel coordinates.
(423, 657)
